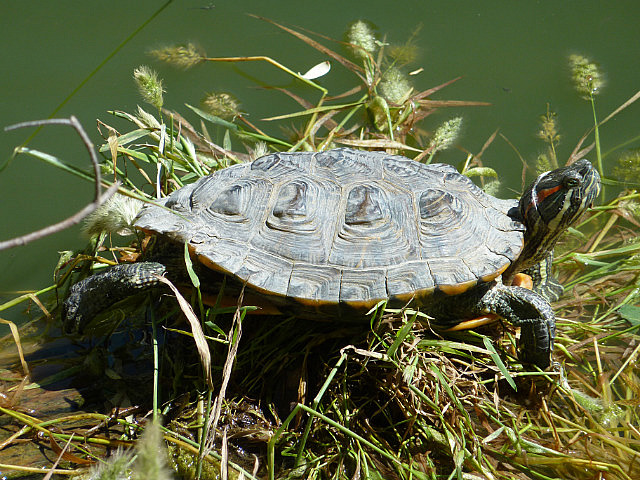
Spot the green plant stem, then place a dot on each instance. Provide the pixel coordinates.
(156, 367)
(36, 470)
(262, 58)
(334, 424)
(15, 301)
(596, 134)
(346, 118)
(33, 423)
(432, 154)
(205, 434)
(316, 402)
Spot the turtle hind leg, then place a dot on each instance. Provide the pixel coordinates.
(544, 282)
(532, 313)
(94, 294)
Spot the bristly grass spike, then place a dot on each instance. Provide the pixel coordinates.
(445, 135)
(588, 78)
(362, 38)
(221, 104)
(395, 87)
(149, 85)
(182, 56)
(116, 215)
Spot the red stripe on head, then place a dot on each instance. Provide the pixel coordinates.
(540, 195)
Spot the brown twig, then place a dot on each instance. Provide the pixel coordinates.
(99, 199)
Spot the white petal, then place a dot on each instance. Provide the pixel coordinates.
(319, 70)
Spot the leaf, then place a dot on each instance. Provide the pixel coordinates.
(112, 142)
(212, 118)
(303, 102)
(133, 135)
(431, 91)
(226, 141)
(189, 265)
(232, 126)
(196, 329)
(452, 103)
(311, 111)
(62, 452)
(143, 157)
(630, 313)
(481, 172)
(447, 346)
(16, 340)
(492, 436)
(401, 335)
(577, 153)
(55, 161)
(631, 100)
(498, 361)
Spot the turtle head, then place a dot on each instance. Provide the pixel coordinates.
(551, 204)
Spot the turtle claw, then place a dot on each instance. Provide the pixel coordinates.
(94, 294)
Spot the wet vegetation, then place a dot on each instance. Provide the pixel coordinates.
(276, 397)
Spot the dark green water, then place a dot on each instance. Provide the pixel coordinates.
(512, 54)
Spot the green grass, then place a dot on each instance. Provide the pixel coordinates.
(390, 398)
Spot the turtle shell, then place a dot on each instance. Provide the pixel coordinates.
(342, 226)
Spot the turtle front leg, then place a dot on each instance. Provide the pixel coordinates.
(529, 311)
(94, 294)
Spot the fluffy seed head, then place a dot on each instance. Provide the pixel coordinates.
(543, 164)
(181, 56)
(149, 85)
(446, 134)
(632, 207)
(587, 76)
(223, 105)
(360, 34)
(395, 86)
(116, 215)
(151, 461)
(117, 467)
(549, 127)
(260, 149)
(492, 187)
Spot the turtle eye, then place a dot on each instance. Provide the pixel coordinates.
(571, 181)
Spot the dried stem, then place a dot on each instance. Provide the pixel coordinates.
(99, 199)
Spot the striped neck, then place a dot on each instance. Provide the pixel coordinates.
(551, 204)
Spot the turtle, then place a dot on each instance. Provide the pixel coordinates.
(333, 233)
